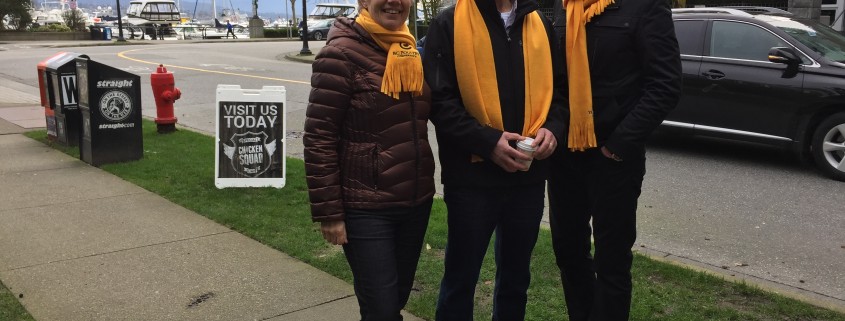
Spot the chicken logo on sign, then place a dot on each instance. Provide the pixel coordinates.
(250, 153)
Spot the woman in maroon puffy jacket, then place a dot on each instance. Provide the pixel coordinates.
(368, 162)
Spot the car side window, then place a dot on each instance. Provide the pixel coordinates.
(690, 35)
(737, 40)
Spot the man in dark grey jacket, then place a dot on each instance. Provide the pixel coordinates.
(487, 189)
(635, 71)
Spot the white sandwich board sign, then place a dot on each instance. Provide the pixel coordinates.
(250, 146)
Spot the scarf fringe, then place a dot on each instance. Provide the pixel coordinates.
(403, 70)
(399, 76)
(596, 9)
(581, 135)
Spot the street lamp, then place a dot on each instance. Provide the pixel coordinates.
(305, 51)
(119, 24)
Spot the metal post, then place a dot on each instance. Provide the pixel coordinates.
(412, 22)
(287, 17)
(415, 17)
(119, 24)
(305, 51)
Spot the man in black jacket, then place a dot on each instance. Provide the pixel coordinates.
(480, 107)
(635, 72)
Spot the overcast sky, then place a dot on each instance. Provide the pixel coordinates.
(269, 9)
(245, 6)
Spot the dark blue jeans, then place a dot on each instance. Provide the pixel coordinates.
(383, 250)
(514, 213)
(587, 186)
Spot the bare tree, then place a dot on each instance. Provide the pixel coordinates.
(293, 9)
(74, 19)
(431, 8)
(16, 13)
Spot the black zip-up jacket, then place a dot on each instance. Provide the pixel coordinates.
(635, 69)
(459, 135)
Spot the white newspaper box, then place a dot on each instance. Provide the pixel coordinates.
(250, 142)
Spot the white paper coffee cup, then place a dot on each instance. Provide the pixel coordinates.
(525, 147)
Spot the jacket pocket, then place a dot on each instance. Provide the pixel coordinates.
(608, 114)
(360, 164)
(612, 25)
(611, 42)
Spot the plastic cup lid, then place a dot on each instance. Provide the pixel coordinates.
(526, 144)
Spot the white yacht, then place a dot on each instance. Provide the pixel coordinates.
(49, 12)
(149, 12)
(331, 10)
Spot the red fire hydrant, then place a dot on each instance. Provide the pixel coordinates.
(165, 93)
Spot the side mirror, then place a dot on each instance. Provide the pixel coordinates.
(788, 56)
(783, 55)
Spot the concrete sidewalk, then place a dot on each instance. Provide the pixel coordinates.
(77, 243)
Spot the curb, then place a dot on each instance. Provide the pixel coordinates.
(296, 57)
(766, 285)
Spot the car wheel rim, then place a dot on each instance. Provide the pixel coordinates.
(834, 147)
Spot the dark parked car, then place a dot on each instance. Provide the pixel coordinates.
(762, 75)
(421, 45)
(319, 29)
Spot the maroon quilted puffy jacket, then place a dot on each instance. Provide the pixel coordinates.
(363, 149)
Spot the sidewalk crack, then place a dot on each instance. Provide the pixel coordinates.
(118, 251)
(308, 307)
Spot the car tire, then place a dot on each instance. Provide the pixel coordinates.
(318, 35)
(829, 146)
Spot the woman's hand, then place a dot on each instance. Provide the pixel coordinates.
(334, 232)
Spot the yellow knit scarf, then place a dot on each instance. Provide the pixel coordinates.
(403, 71)
(581, 128)
(476, 69)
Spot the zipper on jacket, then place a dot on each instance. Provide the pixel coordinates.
(439, 55)
(506, 29)
(416, 139)
(375, 167)
(595, 51)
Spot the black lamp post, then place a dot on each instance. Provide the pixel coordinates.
(119, 23)
(305, 51)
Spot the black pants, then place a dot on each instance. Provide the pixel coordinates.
(383, 250)
(514, 213)
(230, 32)
(584, 186)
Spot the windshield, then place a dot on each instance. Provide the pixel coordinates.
(331, 11)
(134, 9)
(818, 37)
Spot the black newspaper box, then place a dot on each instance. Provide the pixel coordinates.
(110, 104)
(64, 97)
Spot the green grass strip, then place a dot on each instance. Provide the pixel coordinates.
(180, 167)
(10, 308)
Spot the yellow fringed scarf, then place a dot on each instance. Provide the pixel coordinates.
(581, 128)
(403, 71)
(476, 71)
